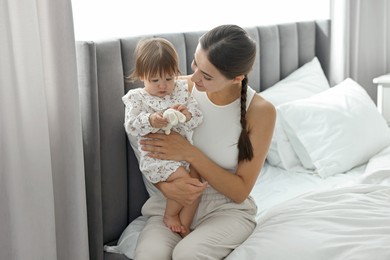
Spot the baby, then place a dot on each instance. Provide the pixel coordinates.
(156, 65)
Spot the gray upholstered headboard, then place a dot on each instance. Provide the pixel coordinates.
(115, 191)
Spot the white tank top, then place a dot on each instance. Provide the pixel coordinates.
(217, 136)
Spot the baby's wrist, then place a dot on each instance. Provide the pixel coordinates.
(151, 120)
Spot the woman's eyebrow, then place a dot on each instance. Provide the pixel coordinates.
(204, 73)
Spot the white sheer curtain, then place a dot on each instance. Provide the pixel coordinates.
(360, 41)
(42, 190)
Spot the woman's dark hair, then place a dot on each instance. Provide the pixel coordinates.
(230, 49)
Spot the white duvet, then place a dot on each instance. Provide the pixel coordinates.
(351, 221)
(344, 223)
(305, 217)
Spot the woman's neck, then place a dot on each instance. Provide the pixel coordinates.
(226, 96)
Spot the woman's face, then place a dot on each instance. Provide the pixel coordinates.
(206, 76)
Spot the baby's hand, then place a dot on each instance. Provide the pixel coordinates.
(157, 120)
(184, 110)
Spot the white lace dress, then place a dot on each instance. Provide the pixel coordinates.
(139, 106)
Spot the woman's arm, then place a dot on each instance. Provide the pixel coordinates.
(261, 120)
(183, 190)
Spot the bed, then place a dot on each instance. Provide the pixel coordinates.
(324, 190)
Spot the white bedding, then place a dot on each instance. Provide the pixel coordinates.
(345, 218)
(344, 223)
(276, 185)
(303, 216)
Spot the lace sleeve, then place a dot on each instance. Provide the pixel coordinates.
(136, 119)
(197, 116)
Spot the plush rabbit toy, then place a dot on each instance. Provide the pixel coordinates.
(174, 117)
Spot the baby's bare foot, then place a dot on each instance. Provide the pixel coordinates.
(184, 231)
(173, 223)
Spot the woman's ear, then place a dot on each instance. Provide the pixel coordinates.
(238, 79)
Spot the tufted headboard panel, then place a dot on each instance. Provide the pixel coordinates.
(115, 191)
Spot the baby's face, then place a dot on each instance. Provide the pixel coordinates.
(160, 85)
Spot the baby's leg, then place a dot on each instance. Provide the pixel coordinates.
(172, 210)
(188, 212)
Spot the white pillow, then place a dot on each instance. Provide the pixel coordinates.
(304, 82)
(336, 130)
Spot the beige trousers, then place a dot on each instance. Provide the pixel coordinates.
(219, 226)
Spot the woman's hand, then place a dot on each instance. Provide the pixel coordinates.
(183, 190)
(174, 147)
(168, 147)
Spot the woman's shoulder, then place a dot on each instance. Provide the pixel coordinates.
(261, 109)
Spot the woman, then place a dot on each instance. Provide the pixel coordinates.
(229, 149)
